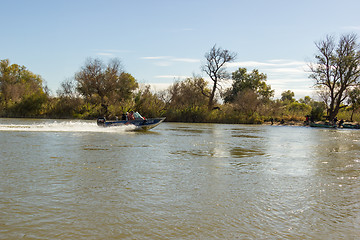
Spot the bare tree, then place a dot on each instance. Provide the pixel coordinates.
(337, 70)
(104, 84)
(215, 68)
(67, 89)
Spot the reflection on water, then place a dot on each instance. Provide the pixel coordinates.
(239, 152)
(178, 181)
(244, 136)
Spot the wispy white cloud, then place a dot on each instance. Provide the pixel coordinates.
(352, 28)
(170, 60)
(287, 81)
(280, 63)
(276, 68)
(105, 54)
(108, 52)
(160, 86)
(292, 71)
(186, 60)
(301, 86)
(116, 50)
(160, 61)
(282, 74)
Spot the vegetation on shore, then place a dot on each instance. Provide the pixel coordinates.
(100, 89)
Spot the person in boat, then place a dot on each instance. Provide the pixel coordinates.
(341, 123)
(131, 116)
(307, 119)
(123, 117)
(335, 120)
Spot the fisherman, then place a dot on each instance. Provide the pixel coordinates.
(335, 120)
(131, 116)
(341, 122)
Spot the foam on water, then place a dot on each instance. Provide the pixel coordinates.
(61, 126)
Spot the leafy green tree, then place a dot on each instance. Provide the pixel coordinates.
(306, 100)
(336, 70)
(68, 103)
(244, 82)
(189, 93)
(247, 102)
(126, 86)
(354, 101)
(105, 85)
(297, 108)
(149, 104)
(288, 96)
(317, 111)
(29, 106)
(187, 100)
(21, 91)
(215, 68)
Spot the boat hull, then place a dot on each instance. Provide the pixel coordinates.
(321, 125)
(140, 124)
(351, 126)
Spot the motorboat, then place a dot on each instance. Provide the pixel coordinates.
(138, 123)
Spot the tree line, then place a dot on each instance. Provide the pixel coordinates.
(106, 89)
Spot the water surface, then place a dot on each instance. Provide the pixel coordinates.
(73, 180)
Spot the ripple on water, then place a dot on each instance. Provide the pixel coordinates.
(239, 152)
(201, 181)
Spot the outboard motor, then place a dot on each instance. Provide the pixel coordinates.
(101, 121)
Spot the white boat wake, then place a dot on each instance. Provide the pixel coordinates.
(56, 126)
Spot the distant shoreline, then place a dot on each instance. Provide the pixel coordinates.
(267, 122)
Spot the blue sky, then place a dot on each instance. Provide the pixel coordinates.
(161, 41)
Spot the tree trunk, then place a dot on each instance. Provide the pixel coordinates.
(211, 102)
(332, 115)
(212, 96)
(352, 114)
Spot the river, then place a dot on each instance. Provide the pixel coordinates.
(62, 179)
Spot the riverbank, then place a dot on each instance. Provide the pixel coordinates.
(284, 123)
(268, 122)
